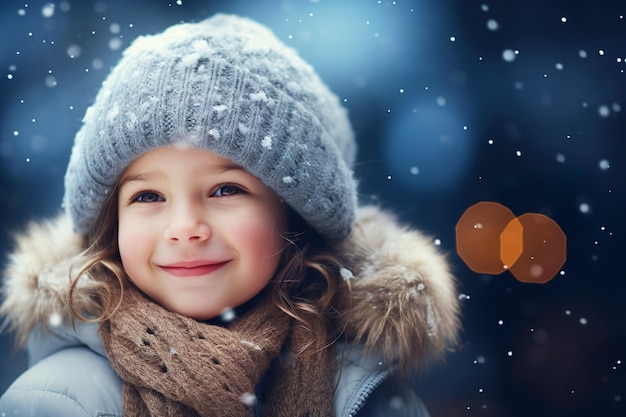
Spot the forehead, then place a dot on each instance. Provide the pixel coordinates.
(178, 152)
(177, 158)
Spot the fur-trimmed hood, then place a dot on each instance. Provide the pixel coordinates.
(404, 305)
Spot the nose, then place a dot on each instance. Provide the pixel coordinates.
(187, 223)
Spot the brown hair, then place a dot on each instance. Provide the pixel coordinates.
(306, 285)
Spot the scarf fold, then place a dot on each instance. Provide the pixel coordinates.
(175, 366)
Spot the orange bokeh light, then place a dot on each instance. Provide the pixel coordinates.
(511, 242)
(490, 240)
(544, 249)
(478, 236)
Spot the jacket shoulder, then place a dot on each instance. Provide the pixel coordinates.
(59, 386)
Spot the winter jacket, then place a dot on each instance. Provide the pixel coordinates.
(403, 312)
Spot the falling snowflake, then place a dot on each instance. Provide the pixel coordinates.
(346, 274)
(228, 315)
(248, 399)
(55, 320)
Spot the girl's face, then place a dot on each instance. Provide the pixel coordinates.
(197, 233)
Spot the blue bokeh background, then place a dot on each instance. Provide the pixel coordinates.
(453, 102)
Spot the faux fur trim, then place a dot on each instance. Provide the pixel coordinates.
(37, 276)
(404, 302)
(403, 306)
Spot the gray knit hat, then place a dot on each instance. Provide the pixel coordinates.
(228, 85)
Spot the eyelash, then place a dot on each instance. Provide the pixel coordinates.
(237, 188)
(135, 198)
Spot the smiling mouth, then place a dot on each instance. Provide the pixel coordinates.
(180, 270)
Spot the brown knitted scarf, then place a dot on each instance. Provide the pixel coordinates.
(175, 366)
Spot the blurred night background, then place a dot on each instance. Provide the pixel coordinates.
(520, 102)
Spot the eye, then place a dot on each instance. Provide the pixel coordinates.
(146, 197)
(227, 190)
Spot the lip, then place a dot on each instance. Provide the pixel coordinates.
(192, 268)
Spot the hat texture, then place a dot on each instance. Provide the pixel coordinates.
(228, 85)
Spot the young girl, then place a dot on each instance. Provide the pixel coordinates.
(212, 260)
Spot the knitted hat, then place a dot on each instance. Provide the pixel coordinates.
(228, 85)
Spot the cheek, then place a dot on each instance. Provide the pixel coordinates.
(131, 245)
(123, 238)
(126, 250)
(261, 239)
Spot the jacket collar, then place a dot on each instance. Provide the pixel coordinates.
(359, 373)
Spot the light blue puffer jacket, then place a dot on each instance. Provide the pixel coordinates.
(400, 282)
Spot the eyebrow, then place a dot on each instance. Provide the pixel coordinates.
(146, 176)
(136, 177)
